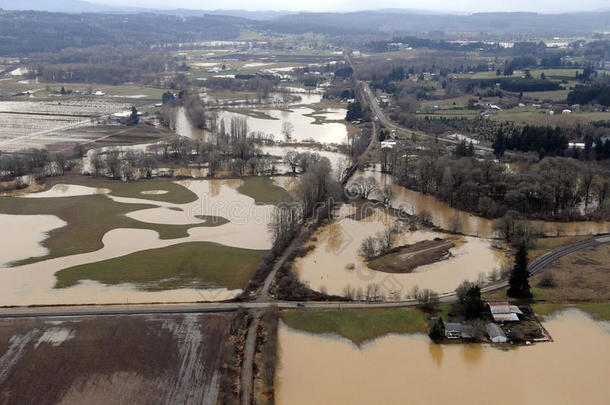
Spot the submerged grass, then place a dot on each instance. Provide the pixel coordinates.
(358, 325)
(263, 190)
(186, 265)
(88, 219)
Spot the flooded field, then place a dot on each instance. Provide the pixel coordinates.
(408, 369)
(26, 233)
(304, 121)
(443, 214)
(329, 265)
(34, 283)
(130, 359)
(337, 159)
(67, 190)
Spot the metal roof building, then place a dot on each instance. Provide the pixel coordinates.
(504, 312)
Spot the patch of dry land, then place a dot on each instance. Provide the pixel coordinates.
(405, 259)
(580, 276)
(127, 359)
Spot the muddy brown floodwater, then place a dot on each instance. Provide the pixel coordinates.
(338, 243)
(408, 369)
(443, 214)
(26, 233)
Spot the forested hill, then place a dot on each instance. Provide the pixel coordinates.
(25, 32)
(400, 21)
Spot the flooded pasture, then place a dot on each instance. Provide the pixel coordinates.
(337, 159)
(67, 190)
(303, 120)
(34, 283)
(23, 235)
(336, 263)
(409, 369)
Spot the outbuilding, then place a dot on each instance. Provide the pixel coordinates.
(495, 333)
(502, 311)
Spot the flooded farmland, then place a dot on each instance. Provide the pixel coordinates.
(336, 263)
(408, 369)
(33, 283)
(304, 121)
(26, 233)
(338, 160)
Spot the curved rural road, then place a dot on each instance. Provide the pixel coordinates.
(372, 101)
(105, 310)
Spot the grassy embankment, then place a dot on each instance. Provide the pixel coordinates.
(90, 217)
(186, 265)
(263, 190)
(360, 325)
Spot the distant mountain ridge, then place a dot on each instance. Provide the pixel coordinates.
(61, 6)
(82, 6)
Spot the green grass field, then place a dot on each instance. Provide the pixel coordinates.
(263, 190)
(359, 326)
(556, 95)
(186, 265)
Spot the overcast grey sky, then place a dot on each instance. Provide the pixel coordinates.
(544, 6)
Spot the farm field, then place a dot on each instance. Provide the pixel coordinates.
(29, 124)
(134, 359)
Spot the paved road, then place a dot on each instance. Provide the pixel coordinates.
(378, 111)
(160, 309)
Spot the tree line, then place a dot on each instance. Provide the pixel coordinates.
(555, 188)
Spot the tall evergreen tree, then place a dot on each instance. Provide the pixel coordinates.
(437, 332)
(519, 286)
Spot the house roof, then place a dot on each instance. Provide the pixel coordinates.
(453, 327)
